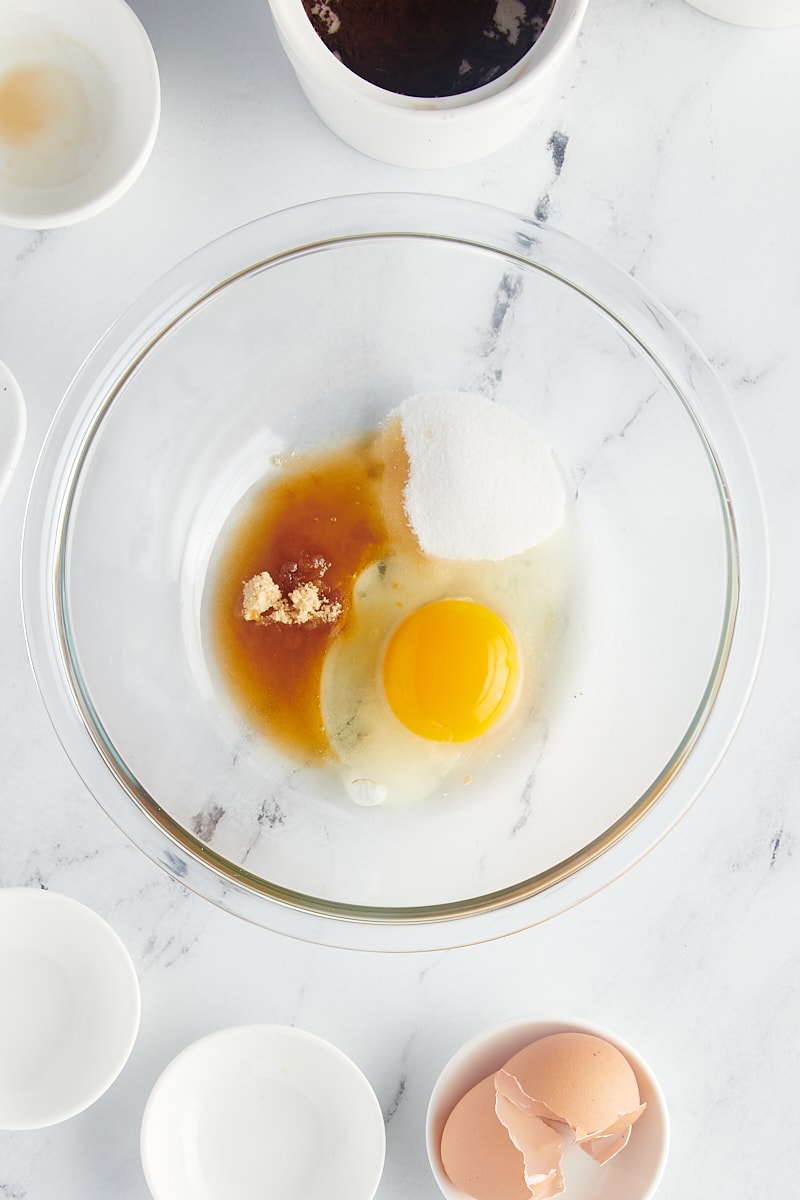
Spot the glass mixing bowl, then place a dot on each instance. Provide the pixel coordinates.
(301, 329)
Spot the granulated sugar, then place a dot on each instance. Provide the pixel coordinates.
(482, 482)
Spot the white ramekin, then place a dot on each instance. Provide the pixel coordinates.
(75, 170)
(409, 131)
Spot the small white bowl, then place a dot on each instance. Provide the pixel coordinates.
(13, 422)
(410, 131)
(633, 1175)
(80, 103)
(69, 1007)
(758, 14)
(262, 1111)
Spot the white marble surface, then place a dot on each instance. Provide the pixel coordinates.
(671, 147)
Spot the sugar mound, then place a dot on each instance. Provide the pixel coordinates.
(482, 483)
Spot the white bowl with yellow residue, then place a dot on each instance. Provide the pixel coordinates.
(80, 103)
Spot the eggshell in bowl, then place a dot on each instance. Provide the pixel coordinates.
(581, 1080)
(477, 1153)
(632, 1175)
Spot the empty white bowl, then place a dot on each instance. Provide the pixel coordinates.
(69, 1007)
(634, 1174)
(80, 103)
(413, 131)
(262, 1111)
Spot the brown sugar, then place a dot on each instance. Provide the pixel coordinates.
(263, 601)
(429, 48)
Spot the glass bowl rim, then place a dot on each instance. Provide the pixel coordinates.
(254, 247)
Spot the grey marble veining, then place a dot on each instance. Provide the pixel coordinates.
(670, 146)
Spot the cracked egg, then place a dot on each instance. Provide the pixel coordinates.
(389, 606)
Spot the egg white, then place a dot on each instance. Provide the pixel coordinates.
(378, 759)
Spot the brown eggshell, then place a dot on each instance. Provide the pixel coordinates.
(603, 1147)
(477, 1153)
(578, 1079)
(541, 1148)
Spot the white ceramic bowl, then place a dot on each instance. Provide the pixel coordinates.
(760, 14)
(69, 1007)
(13, 422)
(262, 1111)
(80, 103)
(409, 131)
(636, 1171)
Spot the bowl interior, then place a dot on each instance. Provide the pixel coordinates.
(69, 1007)
(320, 345)
(259, 1110)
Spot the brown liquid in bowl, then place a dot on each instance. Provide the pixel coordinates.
(325, 506)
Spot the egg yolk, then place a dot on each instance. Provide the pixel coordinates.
(450, 670)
